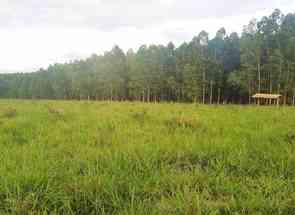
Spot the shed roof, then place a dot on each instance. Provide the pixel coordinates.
(266, 96)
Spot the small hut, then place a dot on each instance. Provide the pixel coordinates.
(262, 98)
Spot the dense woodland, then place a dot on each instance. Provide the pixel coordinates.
(225, 69)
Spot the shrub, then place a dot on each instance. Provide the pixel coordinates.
(10, 113)
(56, 111)
(182, 122)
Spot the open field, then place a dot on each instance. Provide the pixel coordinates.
(134, 158)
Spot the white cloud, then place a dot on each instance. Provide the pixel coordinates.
(36, 33)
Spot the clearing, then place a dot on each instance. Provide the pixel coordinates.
(61, 157)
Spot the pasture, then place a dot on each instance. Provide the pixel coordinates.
(70, 157)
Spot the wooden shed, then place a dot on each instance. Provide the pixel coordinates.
(263, 98)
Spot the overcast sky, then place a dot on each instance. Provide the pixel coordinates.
(36, 33)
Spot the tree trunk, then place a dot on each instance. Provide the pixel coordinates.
(111, 92)
(148, 94)
(218, 98)
(259, 79)
(178, 95)
(182, 93)
(204, 93)
(211, 92)
(204, 86)
(280, 76)
(155, 99)
(286, 85)
(143, 96)
(249, 92)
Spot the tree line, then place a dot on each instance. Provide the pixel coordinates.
(226, 69)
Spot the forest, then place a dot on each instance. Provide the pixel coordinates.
(229, 68)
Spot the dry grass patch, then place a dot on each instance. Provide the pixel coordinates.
(183, 122)
(10, 113)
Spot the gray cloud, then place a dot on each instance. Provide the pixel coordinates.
(111, 14)
(36, 33)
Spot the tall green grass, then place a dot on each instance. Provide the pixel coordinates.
(133, 158)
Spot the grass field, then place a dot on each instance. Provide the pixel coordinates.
(133, 158)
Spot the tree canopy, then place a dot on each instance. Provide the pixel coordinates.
(227, 68)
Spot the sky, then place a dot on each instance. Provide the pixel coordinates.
(37, 33)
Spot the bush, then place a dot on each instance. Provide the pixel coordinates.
(10, 113)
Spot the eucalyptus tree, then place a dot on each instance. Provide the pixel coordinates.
(226, 68)
(203, 40)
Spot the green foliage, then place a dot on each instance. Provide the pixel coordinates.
(225, 69)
